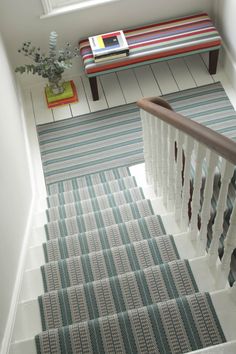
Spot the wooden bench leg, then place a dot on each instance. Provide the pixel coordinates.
(94, 88)
(213, 59)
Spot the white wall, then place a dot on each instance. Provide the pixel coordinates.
(226, 22)
(19, 20)
(15, 187)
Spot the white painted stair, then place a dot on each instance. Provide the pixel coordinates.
(28, 321)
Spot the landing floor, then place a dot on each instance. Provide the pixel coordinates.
(127, 86)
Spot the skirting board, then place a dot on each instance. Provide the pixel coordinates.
(19, 277)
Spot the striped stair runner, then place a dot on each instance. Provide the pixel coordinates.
(95, 204)
(98, 219)
(88, 180)
(108, 263)
(113, 279)
(96, 190)
(103, 238)
(174, 326)
(116, 294)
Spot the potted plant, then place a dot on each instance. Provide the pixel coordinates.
(49, 66)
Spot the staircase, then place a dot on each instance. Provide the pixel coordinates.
(119, 262)
(110, 277)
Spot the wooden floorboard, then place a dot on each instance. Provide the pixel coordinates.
(147, 82)
(81, 107)
(164, 78)
(112, 90)
(95, 105)
(181, 74)
(128, 86)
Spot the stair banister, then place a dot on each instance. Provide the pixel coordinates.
(159, 108)
(189, 138)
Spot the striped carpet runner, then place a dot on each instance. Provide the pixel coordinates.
(86, 144)
(113, 279)
(174, 326)
(116, 294)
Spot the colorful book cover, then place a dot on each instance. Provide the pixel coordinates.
(112, 42)
(64, 101)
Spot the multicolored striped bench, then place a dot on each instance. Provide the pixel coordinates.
(156, 42)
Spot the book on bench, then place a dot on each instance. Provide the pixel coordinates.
(109, 46)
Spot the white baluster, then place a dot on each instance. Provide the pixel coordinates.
(217, 229)
(146, 146)
(164, 161)
(154, 151)
(159, 155)
(233, 292)
(178, 184)
(230, 242)
(189, 142)
(196, 198)
(171, 169)
(206, 207)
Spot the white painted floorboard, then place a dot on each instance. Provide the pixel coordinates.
(126, 86)
(94, 105)
(164, 78)
(181, 74)
(198, 70)
(129, 85)
(147, 82)
(112, 90)
(81, 107)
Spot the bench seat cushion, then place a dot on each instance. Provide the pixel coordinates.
(155, 42)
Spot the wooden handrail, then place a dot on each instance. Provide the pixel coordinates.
(161, 109)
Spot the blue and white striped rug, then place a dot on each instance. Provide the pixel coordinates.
(113, 137)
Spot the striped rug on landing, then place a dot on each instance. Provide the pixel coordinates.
(113, 137)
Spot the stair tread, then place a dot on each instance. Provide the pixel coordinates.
(116, 294)
(103, 238)
(94, 204)
(88, 180)
(108, 263)
(175, 326)
(98, 219)
(92, 191)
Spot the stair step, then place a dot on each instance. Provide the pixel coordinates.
(174, 326)
(99, 219)
(103, 238)
(108, 263)
(94, 204)
(88, 180)
(116, 294)
(91, 191)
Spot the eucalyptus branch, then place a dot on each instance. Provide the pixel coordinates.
(49, 66)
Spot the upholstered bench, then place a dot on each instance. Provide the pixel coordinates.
(156, 42)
